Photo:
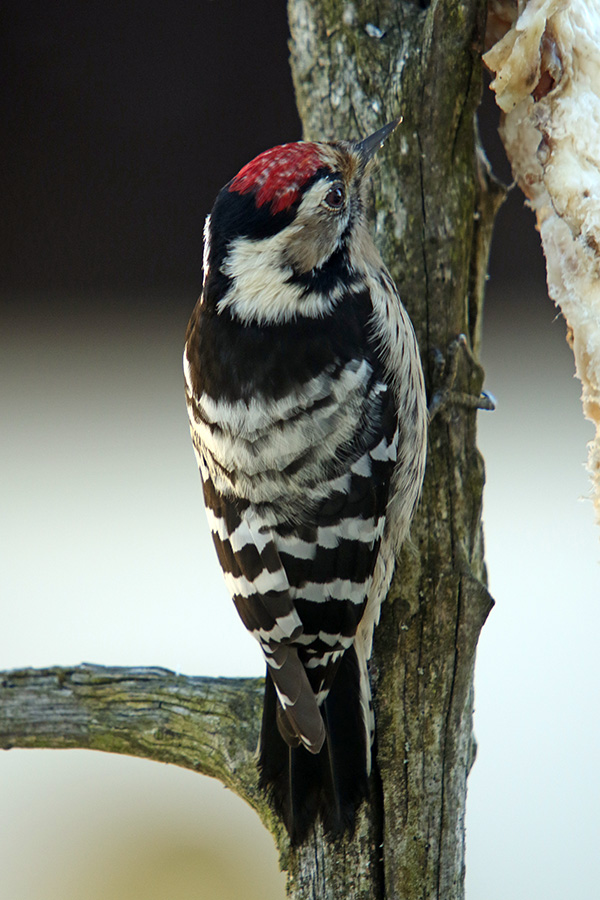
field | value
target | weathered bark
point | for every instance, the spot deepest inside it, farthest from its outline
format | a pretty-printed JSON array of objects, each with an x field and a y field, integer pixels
[
  {"x": 355, "y": 67},
  {"x": 210, "y": 725},
  {"x": 206, "y": 724}
]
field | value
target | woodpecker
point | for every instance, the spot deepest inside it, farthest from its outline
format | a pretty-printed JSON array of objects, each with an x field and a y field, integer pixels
[{"x": 308, "y": 416}]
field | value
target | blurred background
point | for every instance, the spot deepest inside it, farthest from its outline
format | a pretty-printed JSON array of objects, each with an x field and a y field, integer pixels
[{"x": 120, "y": 124}]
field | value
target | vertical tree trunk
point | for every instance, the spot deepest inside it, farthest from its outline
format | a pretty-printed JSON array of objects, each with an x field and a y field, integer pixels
[{"x": 356, "y": 66}]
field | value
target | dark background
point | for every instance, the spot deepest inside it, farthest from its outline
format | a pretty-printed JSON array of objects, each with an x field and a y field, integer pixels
[{"x": 120, "y": 123}]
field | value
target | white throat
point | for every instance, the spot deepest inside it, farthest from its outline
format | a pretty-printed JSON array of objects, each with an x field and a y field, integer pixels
[{"x": 261, "y": 291}]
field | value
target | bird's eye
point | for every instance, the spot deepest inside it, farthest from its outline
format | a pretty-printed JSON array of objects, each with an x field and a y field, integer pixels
[{"x": 334, "y": 198}]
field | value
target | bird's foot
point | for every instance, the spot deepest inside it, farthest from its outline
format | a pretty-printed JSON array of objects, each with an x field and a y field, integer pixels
[{"x": 446, "y": 371}]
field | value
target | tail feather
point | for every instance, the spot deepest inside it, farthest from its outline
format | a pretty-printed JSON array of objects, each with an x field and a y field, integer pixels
[
  {"x": 298, "y": 717},
  {"x": 331, "y": 784},
  {"x": 348, "y": 747}
]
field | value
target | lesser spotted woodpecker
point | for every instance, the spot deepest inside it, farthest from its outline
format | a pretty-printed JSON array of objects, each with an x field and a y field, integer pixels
[{"x": 308, "y": 417}]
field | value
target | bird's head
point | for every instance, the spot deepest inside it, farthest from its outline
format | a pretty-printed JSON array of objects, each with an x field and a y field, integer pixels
[{"x": 278, "y": 242}]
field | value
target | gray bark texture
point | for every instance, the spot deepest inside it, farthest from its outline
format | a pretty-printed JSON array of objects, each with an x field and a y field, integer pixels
[{"x": 355, "y": 67}]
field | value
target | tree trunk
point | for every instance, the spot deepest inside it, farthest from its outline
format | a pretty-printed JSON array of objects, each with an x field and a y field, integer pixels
[{"x": 355, "y": 67}]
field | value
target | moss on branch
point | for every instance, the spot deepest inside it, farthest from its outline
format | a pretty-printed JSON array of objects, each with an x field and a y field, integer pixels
[{"x": 210, "y": 725}]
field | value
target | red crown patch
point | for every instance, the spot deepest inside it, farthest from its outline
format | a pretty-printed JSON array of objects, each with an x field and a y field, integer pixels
[{"x": 277, "y": 175}]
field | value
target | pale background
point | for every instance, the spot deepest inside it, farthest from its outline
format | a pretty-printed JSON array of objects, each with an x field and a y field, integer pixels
[{"x": 121, "y": 133}]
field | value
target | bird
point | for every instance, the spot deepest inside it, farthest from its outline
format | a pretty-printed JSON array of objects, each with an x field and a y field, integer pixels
[{"x": 308, "y": 417}]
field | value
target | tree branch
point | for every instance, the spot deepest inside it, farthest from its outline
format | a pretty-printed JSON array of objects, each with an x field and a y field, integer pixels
[{"x": 210, "y": 725}]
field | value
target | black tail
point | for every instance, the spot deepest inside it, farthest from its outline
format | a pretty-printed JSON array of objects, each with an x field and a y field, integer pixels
[{"x": 330, "y": 784}]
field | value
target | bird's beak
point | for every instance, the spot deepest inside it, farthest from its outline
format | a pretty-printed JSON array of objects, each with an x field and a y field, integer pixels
[{"x": 368, "y": 147}]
